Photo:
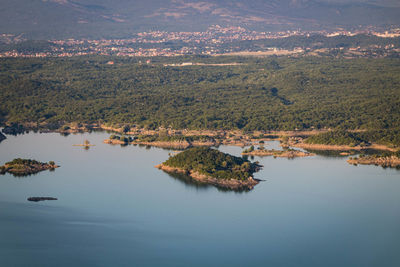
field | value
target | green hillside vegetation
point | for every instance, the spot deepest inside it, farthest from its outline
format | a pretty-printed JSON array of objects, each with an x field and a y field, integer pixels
[
  {"x": 382, "y": 154},
  {"x": 213, "y": 163},
  {"x": 389, "y": 137},
  {"x": 262, "y": 94},
  {"x": 342, "y": 137},
  {"x": 337, "y": 138}
]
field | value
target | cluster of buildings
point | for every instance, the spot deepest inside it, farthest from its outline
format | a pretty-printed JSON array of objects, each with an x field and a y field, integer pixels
[{"x": 215, "y": 40}]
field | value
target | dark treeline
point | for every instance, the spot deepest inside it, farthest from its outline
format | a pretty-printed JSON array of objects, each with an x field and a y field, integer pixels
[{"x": 263, "y": 94}]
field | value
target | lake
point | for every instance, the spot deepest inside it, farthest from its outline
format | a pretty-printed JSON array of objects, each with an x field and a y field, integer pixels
[{"x": 115, "y": 209}]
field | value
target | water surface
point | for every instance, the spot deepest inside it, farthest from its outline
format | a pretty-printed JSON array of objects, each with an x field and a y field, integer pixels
[{"x": 116, "y": 209}]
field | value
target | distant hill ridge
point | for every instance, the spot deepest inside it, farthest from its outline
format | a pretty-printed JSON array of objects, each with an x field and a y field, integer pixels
[{"x": 47, "y": 19}]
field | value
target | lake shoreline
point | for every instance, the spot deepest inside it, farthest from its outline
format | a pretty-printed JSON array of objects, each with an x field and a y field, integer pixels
[
  {"x": 224, "y": 137},
  {"x": 180, "y": 145}
]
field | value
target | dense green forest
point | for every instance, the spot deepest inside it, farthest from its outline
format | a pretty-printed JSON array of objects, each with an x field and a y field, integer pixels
[
  {"x": 213, "y": 163},
  {"x": 337, "y": 138},
  {"x": 275, "y": 93},
  {"x": 389, "y": 137}
]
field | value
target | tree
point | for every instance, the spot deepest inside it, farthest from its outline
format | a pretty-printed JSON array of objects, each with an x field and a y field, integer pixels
[{"x": 126, "y": 128}]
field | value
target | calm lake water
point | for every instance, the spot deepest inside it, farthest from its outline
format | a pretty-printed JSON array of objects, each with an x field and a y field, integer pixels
[{"x": 116, "y": 209}]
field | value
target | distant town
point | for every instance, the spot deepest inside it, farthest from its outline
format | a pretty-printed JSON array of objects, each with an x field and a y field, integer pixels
[{"x": 216, "y": 40}]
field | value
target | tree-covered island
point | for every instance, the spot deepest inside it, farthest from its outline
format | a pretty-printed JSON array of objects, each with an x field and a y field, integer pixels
[
  {"x": 24, "y": 167},
  {"x": 163, "y": 141},
  {"x": 286, "y": 153},
  {"x": 211, "y": 166}
]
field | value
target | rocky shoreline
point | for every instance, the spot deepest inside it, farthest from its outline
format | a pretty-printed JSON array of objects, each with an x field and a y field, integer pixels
[
  {"x": 232, "y": 184},
  {"x": 389, "y": 161}
]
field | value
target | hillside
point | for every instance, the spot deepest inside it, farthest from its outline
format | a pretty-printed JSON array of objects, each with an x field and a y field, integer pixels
[
  {"x": 261, "y": 94},
  {"x": 49, "y": 19}
]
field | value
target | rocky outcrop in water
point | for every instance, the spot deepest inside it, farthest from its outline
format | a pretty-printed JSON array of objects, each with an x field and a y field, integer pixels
[
  {"x": 389, "y": 161},
  {"x": 37, "y": 199},
  {"x": 2, "y": 137}
]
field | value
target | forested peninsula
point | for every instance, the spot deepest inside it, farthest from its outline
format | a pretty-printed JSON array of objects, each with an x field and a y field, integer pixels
[{"x": 358, "y": 99}]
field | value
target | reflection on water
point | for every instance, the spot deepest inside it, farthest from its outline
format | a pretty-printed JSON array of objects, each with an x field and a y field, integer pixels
[
  {"x": 26, "y": 175},
  {"x": 189, "y": 181}
]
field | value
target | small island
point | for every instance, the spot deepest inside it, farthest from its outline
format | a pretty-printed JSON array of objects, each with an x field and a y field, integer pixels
[
  {"x": 24, "y": 167},
  {"x": 286, "y": 153},
  {"x": 391, "y": 160},
  {"x": 163, "y": 141},
  {"x": 37, "y": 199},
  {"x": 86, "y": 144},
  {"x": 213, "y": 167}
]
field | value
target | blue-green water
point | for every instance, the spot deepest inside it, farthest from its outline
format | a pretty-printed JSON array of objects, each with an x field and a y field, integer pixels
[{"x": 116, "y": 209}]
